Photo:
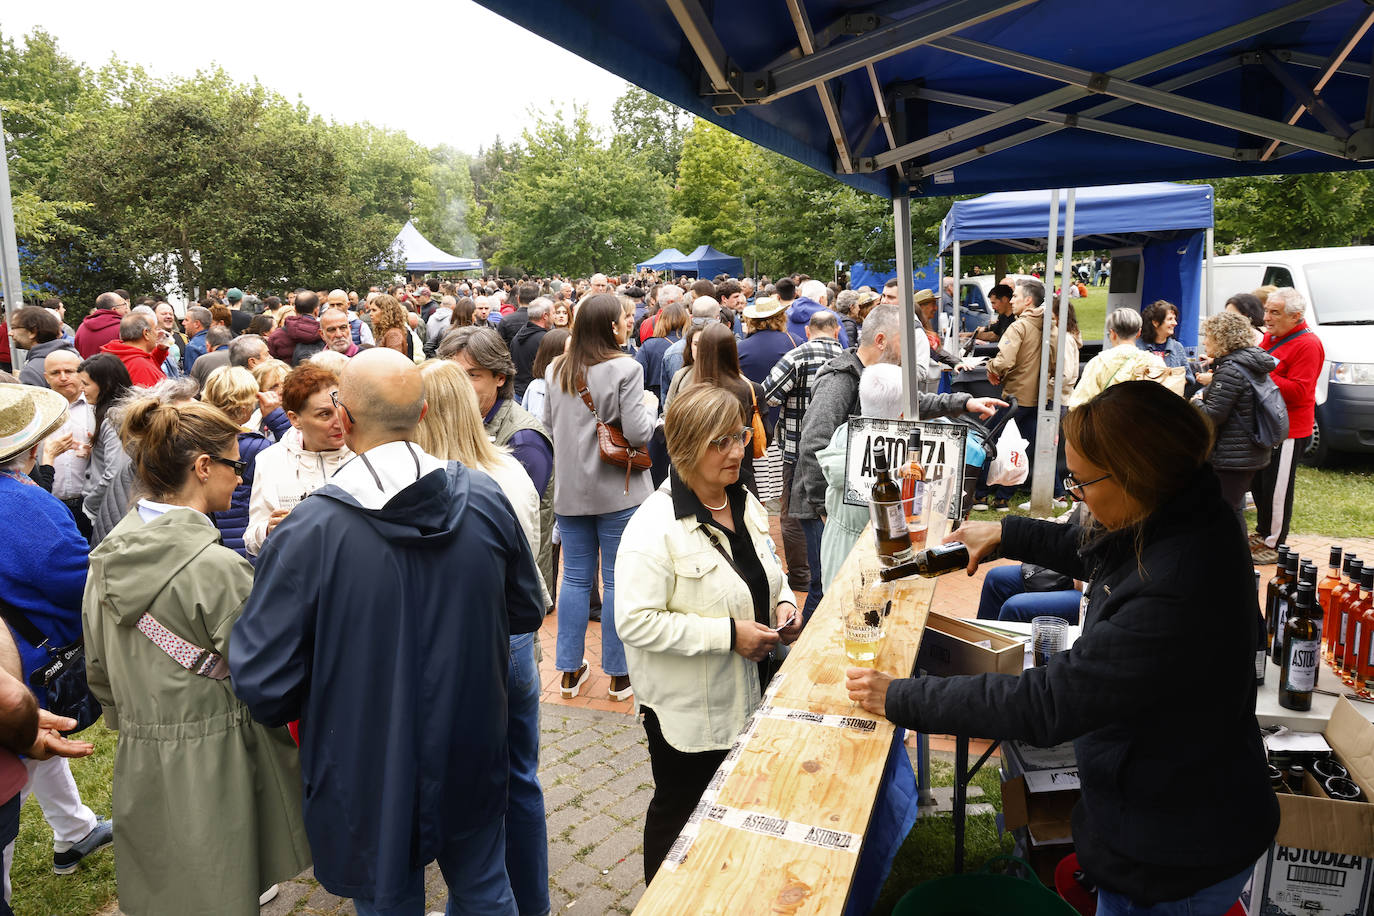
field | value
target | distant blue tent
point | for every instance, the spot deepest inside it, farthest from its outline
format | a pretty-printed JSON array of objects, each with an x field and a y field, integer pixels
[
  {"x": 1169, "y": 221},
  {"x": 422, "y": 255},
  {"x": 705, "y": 261},
  {"x": 661, "y": 261}
]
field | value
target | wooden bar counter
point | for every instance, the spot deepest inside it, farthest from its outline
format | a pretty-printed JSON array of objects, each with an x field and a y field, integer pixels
[{"x": 780, "y": 829}]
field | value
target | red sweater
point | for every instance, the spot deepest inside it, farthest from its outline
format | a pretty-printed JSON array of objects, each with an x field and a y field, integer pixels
[
  {"x": 145, "y": 369},
  {"x": 1301, "y": 359}
]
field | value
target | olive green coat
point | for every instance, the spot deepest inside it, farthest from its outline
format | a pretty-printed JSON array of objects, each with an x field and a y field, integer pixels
[{"x": 207, "y": 802}]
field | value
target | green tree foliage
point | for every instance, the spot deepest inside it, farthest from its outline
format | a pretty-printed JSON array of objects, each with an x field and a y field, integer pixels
[
  {"x": 709, "y": 205},
  {"x": 487, "y": 171},
  {"x": 1293, "y": 211},
  {"x": 446, "y": 209},
  {"x": 573, "y": 204},
  {"x": 651, "y": 129}
]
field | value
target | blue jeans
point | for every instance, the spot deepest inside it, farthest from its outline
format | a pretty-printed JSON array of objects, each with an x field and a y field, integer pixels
[
  {"x": 1005, "y": 597},
  {"x": 813, "y": 528},
  {"x": 475, "y": 871},
  {"x": 581, "y": 536},
  {"x": 527, "y": 838},
  {"x": 1210, "y": 901}
]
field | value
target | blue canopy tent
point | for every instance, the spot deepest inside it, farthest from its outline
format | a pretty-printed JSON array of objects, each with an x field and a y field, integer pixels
[
  {"x": 423, "y": 256},
  {"x": 1171, "y": 222},
  {"x": 877, "y": 275},
  {"x": 705, "y": 261},
  {"x": 661, "y": 261}
]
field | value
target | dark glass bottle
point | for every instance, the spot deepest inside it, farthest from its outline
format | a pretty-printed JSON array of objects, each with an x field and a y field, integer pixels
[
  {"x": 1295, "y": 779},
  {"x": 1274, "y": 602},
  {"x": 1302, "y": 650},
  {"x": 934, "y": 561},
  {"x": 885, "y": 511}
]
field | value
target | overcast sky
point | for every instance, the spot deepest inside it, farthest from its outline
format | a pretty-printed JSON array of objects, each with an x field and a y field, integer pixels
[{"x": 444, "y": 71}]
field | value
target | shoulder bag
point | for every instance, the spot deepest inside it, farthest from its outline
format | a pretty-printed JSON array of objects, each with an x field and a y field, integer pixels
[
  {"x": 612, "y": 445},
  {"x": 61, "y": 683},
  {"x": 756, "y": 421}
]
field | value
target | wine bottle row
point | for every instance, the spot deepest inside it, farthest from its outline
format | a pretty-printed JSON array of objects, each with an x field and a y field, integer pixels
[{"x": 1308, "y": 622}]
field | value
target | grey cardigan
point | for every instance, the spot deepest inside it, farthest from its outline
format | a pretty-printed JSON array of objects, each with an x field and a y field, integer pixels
[{"x": 583, "y": 483}]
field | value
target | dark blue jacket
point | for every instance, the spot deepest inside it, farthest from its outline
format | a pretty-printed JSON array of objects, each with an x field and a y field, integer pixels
[
  {"x": 759, "y": 353},
  {"x": 799, "y": 315},
  {"x": 233, "y": 522},
  {"x": 386, "y": 632},
  {"x": 43, "y": 561},
  {"x": 195, "y": 349}
]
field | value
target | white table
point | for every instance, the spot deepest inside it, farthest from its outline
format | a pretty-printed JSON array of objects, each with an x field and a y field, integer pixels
[{"x": 1269, "y": 712}]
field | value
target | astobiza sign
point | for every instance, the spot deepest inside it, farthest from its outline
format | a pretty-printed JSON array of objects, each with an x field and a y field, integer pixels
[{"x": 936, "y": 448}]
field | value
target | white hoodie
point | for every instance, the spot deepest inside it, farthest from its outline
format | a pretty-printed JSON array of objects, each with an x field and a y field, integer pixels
[{"x": 284, "y": 474}]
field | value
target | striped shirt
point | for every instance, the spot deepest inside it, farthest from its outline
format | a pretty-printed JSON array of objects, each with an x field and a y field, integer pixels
[{"x": 789, "y": 384}]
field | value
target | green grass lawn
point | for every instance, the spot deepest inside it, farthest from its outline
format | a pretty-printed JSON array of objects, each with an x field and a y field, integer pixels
[{"x": 37, "y": 891}]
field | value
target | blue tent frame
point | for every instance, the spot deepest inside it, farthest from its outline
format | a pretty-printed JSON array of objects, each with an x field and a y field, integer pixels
[{"x": 1171, "y": 222}]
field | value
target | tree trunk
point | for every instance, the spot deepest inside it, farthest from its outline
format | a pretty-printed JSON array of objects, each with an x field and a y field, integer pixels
[{"x": 999, "y": 266}]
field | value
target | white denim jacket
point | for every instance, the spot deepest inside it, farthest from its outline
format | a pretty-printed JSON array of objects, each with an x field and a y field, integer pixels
[{"x": 674, "y": 597}]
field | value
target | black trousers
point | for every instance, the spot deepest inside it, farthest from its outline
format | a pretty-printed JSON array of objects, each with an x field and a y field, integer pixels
[
  {"x": 679, "y": 780},
  {"x": 793, "y": 537},
  {"x": 1273, "y": 489},
  {"x": 83, "y": 524}
]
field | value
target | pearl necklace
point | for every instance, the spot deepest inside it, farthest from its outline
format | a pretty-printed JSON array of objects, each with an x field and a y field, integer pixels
[{"x": 716, "y": 508}]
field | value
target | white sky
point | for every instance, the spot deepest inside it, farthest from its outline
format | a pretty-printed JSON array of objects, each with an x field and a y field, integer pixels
[{"x": 444, "y": 71}]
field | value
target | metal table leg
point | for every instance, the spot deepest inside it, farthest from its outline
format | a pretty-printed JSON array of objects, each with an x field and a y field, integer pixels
[{"x": 963, "y": 774}]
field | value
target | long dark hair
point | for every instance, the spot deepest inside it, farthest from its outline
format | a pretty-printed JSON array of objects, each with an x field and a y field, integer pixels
[
  {"x": 110, "y": 375},
  {"x": 463, "y": 311},
  {"x": 1249, "y": 305},
  {"x": 717, "y": 363},
  {"x": 550, "y": 348},
  {"x": 593, "y": 340}
]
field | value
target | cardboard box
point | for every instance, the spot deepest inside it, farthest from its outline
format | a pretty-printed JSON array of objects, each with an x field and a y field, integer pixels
[
  {"x": 951, "y": 646},
  {"x": 1322, "y": 860},
  {"x": 1039, "y": 790}
]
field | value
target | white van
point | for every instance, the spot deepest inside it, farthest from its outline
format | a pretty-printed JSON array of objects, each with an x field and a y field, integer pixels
[{"x": 1339, "y": 286}]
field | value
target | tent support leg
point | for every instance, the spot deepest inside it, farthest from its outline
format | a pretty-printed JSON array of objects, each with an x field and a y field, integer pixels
[
  {"x": 13, "y": 289},
  {"x": 1207, "y": 279},
  {"x": 953, "y": 342},
  {"x": 1042, "y": 465},
  {"x": 1066, "y": 277},
  {"x": 901, "y": 226}
]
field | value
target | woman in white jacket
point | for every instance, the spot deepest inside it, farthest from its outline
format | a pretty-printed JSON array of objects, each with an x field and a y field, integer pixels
[
  {"x": 701, "y": 603},
  {"x": 302, "y": 462}
]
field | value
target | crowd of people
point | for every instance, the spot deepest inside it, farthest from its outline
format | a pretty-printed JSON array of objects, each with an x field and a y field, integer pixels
[{"x": 262, "y": 514}]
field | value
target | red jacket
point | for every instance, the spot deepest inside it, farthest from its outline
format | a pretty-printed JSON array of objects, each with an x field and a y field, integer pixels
[
  {"x": 145, "y": 369},
  {"x": 1301, "y": 358},
  {"x": 99, "y": 328}
]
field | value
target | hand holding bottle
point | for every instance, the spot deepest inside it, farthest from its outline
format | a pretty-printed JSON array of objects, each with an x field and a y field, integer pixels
[{"x": 981, "y": 538}]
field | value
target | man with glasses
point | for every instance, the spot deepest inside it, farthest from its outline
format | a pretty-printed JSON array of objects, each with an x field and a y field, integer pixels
[{"x": 408, "y": 764}]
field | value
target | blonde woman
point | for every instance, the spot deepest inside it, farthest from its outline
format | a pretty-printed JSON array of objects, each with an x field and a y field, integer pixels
[
  {"x": 270, "y": 419},
  {"x": 452, "y": 430},
  {"x": 234, "y": 391}
]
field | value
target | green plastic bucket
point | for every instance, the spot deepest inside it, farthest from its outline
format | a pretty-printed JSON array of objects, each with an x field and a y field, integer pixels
[{"x": 983, "y": 893}]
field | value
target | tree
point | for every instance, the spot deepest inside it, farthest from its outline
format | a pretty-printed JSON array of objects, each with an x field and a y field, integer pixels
[
  {"x": 446, "y": 208},
  {"x": 488, "y": 171},
  {"x": 1293, "y": 211},
  {"x": 650, "y": 128},
  {"x": 573, "y": 205},
  {"x": 709, "y": 206}
]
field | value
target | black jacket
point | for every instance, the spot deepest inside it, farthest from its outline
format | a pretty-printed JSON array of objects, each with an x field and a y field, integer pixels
[
  {"x": 512, "y": 323},
  {"x": 1230, "y": 404},
  {"x": 524, "y": 347},
  {"x": 1158, "y": 693}
]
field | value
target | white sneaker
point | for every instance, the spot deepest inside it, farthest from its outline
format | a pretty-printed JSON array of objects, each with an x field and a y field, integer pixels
[
  {"x": 1054, "y": 504},
  {"x": 572, "y": 681},
  {"x": 980, "y": 505},
  {"x": 269, "y": 895}
]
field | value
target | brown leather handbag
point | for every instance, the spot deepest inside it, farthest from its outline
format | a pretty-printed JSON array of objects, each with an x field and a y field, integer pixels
[{"x": 611, "y": 443}]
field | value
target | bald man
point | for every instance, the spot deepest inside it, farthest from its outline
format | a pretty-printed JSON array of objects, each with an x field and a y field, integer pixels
[{"x": 396, "y": 659}]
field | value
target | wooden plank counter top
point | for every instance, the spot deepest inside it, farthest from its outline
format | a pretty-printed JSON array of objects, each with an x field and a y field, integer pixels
[{"x": 780, "y": 829}]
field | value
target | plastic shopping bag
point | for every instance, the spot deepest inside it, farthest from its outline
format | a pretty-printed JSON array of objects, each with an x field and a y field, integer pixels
[{"x": 1011, "y": 465}]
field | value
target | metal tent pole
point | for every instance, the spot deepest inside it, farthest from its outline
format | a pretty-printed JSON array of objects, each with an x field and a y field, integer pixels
[
  {"x": 1042, "y": 465},
  {"x": 954, "y": 331},
  {"x": 1207, "y": 280},
  {"x": 1066, "y": 279},
  {"x": 901, "y": 225},
  {"x": 9, "y": 252}
]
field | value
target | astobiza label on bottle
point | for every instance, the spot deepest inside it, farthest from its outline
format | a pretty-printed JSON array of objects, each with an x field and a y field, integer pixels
[
  {"x": 889, "y": 518},
  {"x": 1302, "y": 665},
  {"x": 1261, "y": 659}
]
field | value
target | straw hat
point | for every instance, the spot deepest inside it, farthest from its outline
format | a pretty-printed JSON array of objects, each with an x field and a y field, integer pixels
[
  {"x": 923, "y": 296},
  {"x": 27, "y": 414},
  {"x": 763, "y": 307}
]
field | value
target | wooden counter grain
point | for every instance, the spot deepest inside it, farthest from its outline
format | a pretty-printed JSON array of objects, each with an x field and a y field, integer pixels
[{"x": 818, "y": 775}]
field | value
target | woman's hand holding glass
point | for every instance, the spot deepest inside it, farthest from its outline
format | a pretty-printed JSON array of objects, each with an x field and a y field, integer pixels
[{"x": 868, "y": 688}]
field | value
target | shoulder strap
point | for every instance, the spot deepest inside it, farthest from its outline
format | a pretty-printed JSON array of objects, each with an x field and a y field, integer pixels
[
  {"x": 1294, "y": 336},
  {"x": 715, "y": 542},
  {"x": 186, "y": 654},
  {"x": 22, "y": 625},
  {"x": 587, "y": 398}
]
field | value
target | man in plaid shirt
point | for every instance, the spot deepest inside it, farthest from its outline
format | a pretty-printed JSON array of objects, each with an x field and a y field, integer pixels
[{"x": 789, "y": 384}]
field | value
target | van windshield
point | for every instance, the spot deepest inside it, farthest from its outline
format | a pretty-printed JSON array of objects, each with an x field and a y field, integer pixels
[{"x": 1342, "y": 291}]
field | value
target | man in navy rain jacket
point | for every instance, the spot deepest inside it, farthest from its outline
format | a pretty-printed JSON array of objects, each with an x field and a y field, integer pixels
[{"x": 380, "y": 617}]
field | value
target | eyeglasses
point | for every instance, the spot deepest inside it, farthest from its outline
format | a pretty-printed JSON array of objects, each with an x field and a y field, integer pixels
[
  {"x": 334, "y": 397},
  {"x": 238, "y": 465},
  {"x": 1076, "y": 489},
  {"x": 726, "y": 442}
]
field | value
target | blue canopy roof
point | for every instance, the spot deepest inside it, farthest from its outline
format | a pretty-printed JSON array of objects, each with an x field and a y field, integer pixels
[
  {"x": 422, "y": 255},
  {"x": 1009, "y": 222},
  {"x": 967, "y": 96},
  {"x": 662, "y": 260},
  {"x": 707, "y": 262}
]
